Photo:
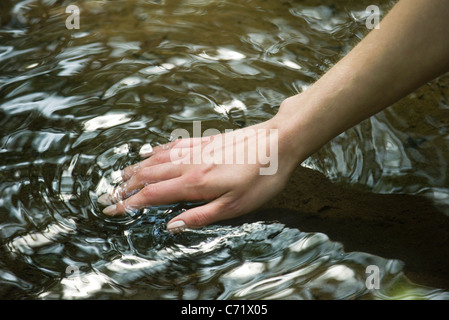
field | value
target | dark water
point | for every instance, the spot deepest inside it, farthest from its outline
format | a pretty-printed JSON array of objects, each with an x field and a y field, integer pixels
[{"x": 75, "y": 105}]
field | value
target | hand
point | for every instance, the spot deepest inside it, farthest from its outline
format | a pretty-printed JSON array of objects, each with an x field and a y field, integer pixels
[
  {"x": 233, "y": 172},
  {"x": 411, "y": 48}
]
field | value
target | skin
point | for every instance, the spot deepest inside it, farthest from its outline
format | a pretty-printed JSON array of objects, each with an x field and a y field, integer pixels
[{"x": 410, "y": 48}]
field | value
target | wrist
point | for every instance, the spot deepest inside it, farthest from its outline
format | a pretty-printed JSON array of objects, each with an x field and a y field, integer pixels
[{"x": 292, "y": 128}]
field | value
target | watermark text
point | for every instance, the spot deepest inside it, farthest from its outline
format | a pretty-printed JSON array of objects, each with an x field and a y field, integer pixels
[
  {"x": 73, "y": 20},
  {"x": 244, "y": 146},
  {"x": 373, "y": 280},
  {"x": 373, "y": 20}
]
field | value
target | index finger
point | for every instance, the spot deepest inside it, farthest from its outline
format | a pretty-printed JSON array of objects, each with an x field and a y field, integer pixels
[
  {"x": 160, "y": 193},
  {"x": 159, "y": 155}
]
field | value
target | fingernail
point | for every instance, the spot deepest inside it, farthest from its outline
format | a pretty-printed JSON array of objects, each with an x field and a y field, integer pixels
[
  {"x": 105, "y": 199},
  {"x": 176, "y": 226},
  {"x": 110, "y": 210}
]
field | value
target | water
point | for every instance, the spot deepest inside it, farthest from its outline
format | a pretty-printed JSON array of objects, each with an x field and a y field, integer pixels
[{"x": 76, "y": 105}]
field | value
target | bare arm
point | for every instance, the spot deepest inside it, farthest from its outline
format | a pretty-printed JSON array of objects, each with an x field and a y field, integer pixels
[{"x": 410, "y": 48}]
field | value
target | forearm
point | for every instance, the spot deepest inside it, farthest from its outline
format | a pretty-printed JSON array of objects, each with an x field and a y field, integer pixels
[{"x": 410, "y": 48}]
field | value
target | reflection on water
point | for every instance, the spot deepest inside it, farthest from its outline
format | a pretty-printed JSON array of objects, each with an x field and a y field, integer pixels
[{"x": 76, "y": 105}]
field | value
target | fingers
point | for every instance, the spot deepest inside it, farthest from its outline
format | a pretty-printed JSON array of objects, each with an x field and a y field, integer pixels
[
  {"x": 199, "y": 216},
  {"x": 143, "y": 177},
  {"x": 159, "y": 181},
  {"x": 160, "y": 193},
  {"x": 181, "y": 143},
  {"x": 158, "y": 158},
  {"x": 156, "y": 168},
  {"x": 160, "y": 154}
]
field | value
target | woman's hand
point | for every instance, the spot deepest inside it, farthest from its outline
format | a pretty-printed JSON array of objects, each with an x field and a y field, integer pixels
[
  {"x": 233, "y": 172},
  {"x": 409, "y": 49}
]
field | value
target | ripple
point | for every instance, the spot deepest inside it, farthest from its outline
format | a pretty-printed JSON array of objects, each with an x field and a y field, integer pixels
[{"x": 285, "y": 263}]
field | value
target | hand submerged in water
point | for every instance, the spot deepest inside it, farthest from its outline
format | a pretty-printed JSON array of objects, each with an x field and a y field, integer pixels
[
  {"x": 233, "y": 172},
  {"x": 411, "y": 48}
]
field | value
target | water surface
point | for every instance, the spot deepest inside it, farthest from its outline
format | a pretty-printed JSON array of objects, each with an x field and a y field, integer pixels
[{"x": 75, "y": 105}]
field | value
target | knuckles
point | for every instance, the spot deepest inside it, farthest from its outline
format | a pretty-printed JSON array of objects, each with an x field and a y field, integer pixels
[{"x": 199, "y": 178}]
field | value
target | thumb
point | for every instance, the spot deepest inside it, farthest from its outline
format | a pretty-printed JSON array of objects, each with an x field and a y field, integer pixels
[{"x": 197, "y": 217}]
